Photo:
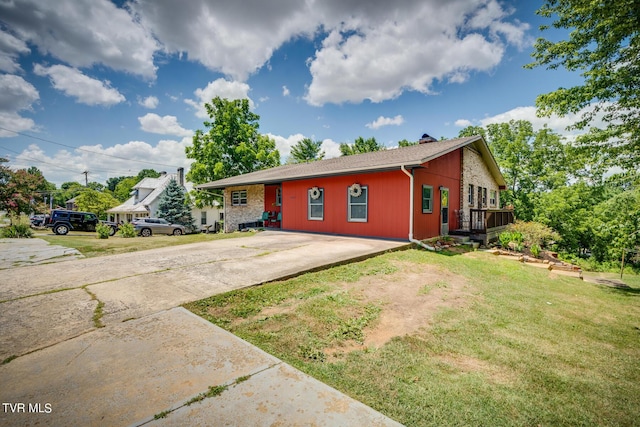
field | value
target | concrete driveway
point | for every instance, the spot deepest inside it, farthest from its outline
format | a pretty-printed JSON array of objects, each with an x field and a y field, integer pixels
[{"x": 151, "y": 358}]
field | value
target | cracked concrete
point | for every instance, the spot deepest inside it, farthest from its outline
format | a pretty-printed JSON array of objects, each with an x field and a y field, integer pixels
[{"x": 152, "y": 357}]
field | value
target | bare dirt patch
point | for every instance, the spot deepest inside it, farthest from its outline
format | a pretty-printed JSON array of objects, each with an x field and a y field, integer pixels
[{"x": 410, "y": 300}]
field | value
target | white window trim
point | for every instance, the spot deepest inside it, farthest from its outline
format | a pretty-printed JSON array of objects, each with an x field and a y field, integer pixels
[
  {"x": 493, "y": 197},
  {"x": 430, "y": 210},
  {"x": 309, "y": 200},
  {"x": 365, "y": 190}
]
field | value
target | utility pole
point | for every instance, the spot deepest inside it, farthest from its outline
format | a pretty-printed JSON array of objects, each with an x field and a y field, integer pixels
[{"x": 86, "y": 178}]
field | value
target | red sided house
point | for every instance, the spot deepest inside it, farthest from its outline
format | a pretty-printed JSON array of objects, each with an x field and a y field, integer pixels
[{"x": 416, "y": 192}]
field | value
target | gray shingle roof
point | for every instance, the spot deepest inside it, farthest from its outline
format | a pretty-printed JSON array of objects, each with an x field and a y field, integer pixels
[{"x": 412, "y": 156}]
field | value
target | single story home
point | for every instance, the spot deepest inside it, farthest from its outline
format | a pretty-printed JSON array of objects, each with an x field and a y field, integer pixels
[
  {"x": 145, "y": 198},
  {"x": 420, "y": 191}
]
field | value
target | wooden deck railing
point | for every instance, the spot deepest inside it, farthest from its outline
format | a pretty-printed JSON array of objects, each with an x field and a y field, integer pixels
[{"x": 482, "y": 220}]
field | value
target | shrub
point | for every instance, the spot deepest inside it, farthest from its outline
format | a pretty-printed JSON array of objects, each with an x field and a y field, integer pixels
[
  {"x": 510, "y": 239},
  {"x": 16, "y": 231},
  {"x": 127, "y": 230},
  {"x": 535, "y": 250},
  {"x": 103, "y": 231},
  {"x": 534, "y": 233}
]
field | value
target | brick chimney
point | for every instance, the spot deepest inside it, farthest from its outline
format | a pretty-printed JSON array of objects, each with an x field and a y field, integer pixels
[
  {"x": 426, "y": 139},
  {"x": 181, "y": 177}
]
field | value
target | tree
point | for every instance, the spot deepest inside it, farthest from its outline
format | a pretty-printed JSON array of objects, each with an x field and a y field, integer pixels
[
  {"x": 405, "y": 143},
  {"x": 305, "y": 151},
  {"x": 173, "y": 205},
  {"x": 231, "y": 146},
  {"x": 604, "y": 45},
  {"x": 113, "y": 181},
  {"x": 616, "y": 225},
  {"x": 90, "y": 200},
  {"x": 19, "y": 190},
  {"x": 147, "y": 173},
  {"x": 124, "y": 187},
  {"x": 360, "y": 146}
]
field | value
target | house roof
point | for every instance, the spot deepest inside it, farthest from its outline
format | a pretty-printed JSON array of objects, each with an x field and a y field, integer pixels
[
  {"x": 156, "y": 184},
  {"x": 409, "y": 157}
]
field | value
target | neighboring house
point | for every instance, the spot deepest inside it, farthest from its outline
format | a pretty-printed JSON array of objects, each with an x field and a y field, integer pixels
[
  {"x": 71, "y": 205},
  {"x": 145, "y": 197},
  {"x": 418, "y": 192}
]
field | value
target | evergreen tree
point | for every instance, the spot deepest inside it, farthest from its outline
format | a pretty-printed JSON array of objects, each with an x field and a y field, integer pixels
[
  {"x": 173, "y": 205},
  {"x": 306, "y": 151}
]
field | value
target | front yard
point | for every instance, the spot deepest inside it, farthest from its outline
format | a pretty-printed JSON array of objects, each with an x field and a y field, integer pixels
[{"x": 431, "y": 339}]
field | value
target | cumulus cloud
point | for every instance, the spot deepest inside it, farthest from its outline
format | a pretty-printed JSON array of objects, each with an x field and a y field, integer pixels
[
  {"x": 16, "y": 95},
  {"x": 83, "y": 33},
  {"x": 103, "y": 163},
  {"x": 150, "y": 102},
  {"x": 377, "y": 56},
  {"x": 222, "y": 88},
  {"x": 10, "y": 49},
  {"x": 72, "y": 82},
  {"x": 528, "y": 113},
  {"x": 167, "y": 125},
  {"x": 283, "y": 144},
  {"x": 385, "y": 121},
  {"x": 234, "y": 38},
  {"x": 285, "y": 91}
]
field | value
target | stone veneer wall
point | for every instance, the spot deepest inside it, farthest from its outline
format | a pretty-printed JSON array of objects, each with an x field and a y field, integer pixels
[
  {"x": 252, "y": 211},
  {"x": 476, "y": 172}
]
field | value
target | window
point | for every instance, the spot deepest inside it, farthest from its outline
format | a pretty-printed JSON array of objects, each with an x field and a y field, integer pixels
[
  {"x": 279, "y": 196},
  {"x": 471, "y": 194},
  {"x": 479, "y": 197},
  {"x": 221, "y": 216},
  {"x": 357, "y": 205},
  {"x": 203, "y": 218},
  {"x": 315, "y": 196},
  {"x": 239, "y": 198},
  {"x": 493, "y": 199},
  {"x": 427, "y": 199},
  {"x": 484, "y": 197}
]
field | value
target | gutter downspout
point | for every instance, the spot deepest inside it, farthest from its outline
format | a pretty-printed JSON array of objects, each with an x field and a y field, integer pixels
[{"x": 411, "y": 239}]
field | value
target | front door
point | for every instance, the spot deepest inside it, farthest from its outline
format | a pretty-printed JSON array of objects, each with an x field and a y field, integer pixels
[{"x": 444, "y": 211}]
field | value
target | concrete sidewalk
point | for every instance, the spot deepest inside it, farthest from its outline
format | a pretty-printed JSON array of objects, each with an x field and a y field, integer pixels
[{"x": 151, "y": 358}]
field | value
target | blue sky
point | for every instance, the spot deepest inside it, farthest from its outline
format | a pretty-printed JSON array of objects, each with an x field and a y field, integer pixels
[{"x": 115, "y": 87}]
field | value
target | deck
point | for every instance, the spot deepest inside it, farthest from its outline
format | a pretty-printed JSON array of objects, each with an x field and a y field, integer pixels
[{"x": 484, "y": 225}]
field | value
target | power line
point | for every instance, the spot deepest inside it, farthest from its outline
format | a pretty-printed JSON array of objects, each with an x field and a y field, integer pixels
[{"x": 87, "y": 151}]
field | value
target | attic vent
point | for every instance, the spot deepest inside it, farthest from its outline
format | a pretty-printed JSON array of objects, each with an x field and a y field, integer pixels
[{"x": 426, "y": 139}]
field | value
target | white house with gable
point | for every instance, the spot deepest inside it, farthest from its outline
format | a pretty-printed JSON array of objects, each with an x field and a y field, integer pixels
[{"x": 145, "y": 197}]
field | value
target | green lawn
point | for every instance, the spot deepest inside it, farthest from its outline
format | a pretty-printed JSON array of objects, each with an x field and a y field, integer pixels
[
  {"x": 90, "y": 246},
  {"x": 501, "y": 343}
]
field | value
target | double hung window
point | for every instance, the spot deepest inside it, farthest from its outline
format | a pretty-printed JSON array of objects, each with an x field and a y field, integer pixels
[
  {"x": 315, "y": 198},
  {"x": 357, "y": 206}
]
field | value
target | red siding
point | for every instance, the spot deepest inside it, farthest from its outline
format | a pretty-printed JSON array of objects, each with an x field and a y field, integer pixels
[
  {"x": 443, "y": 171},
  {"x": 388, "y": 205},
  {"x": 270, "y": 198}
]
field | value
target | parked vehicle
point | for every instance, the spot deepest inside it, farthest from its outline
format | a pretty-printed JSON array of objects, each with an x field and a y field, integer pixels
[
  {"x": 38, "y": 220},
  {"x": 145, "y": 227},
  {"x": 61, "y": 221}
]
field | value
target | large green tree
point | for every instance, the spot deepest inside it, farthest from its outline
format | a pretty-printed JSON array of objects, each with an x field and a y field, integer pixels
[
  {"x": 231, "y": 144},
  {"x": 98, "y": 202},
  {"x": 173, "y": 205},
  {"x": 305, "y": 151},
  {"x": 360, "y": 146},
  {"x": 603, "y": 44}
]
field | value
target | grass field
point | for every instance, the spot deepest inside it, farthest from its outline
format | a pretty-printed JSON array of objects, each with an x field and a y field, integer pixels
[
  {"x": 430, "y": 339},
  {"x": 90, "y": 246}
]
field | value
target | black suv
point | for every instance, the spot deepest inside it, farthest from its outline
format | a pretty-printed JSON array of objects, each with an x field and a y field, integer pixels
[{"x": 61, "y": 221}]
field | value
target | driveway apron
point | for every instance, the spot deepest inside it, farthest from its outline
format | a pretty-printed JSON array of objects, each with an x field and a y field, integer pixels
[{"x": 151, "y": 358}]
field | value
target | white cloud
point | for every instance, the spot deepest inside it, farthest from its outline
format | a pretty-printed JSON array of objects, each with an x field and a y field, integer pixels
[
  {"x": 83, "y": 33},
  {"x": 463, "y": 123},
  {"x": 331, "y": 148},
  {"x": 16, "y": 95},
  {"x": 557, "y": 124},
  {"x": 285, "y": 91},
  {"x": 284, "y": 144},
  {"x": 166, "y": 125},
  {"x": 385, "y": 121},
  {"x": 74, "y": 83},
  {"x": 377, "y": 55},
  {"x": 150, "y": 102},
  {"x": 222, "y": 88},
  {"x": 235, "y": 38},
  {"x": 10, "y": 49},
  {"x": 103, "y": 163}
]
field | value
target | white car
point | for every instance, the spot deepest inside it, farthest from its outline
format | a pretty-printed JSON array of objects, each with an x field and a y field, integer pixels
[{"x": 146, "y": 227}]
